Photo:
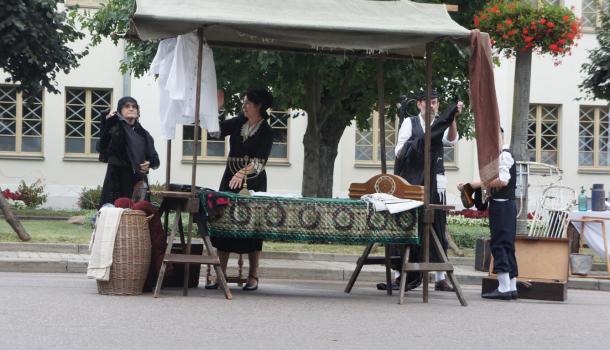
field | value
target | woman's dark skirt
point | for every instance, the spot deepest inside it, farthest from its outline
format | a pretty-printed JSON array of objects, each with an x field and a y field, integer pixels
[{"x": 240, "y": 245}]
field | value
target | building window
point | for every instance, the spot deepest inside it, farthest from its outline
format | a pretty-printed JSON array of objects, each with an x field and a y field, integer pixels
[
  {"x": 85, "y": 109},
  {"x": 368, "y": 150},
  {"x": 368, "y": 147},
  {"x": 554, "y": 2},
  {"x": 212, "y": 149},
  {"x": 592, "y": 13},
  {"x": 20, "y": 123},
  {"x": 449, "y": 155},
  {"x": 543, "y": 134},
  {"x": 594, "y": 137}
]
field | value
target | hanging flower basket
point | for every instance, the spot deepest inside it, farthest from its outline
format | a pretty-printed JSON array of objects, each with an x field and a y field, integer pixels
[{"x": 515, "y": 26}]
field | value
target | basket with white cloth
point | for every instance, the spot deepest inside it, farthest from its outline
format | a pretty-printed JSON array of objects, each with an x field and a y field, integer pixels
[{"x": 130, "y": 256}]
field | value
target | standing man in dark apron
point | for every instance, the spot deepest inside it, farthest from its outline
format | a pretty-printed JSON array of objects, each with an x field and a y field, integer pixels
[{"x": 410, "y": 165}]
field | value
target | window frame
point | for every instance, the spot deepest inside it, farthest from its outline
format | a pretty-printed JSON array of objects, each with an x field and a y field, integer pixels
[
  {"x": 452, "y": 165},
  {"x": 375, "y": 144},
  {"x": 203, "y": 158},
  {"x": 598, "y": 14},
  {"x": 538, "y": 134},
  {"x": 19, "y": 119},
  {"x": 596, "y": 136},
  {"x": 89, "y": 154}
]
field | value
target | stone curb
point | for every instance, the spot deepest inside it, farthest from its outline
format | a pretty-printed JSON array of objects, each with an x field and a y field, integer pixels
[{"x": 70, "y": 248}]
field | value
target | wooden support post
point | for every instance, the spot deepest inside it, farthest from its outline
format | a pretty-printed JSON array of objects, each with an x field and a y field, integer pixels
[
  {"x": 427, "y": 167},
  {"x": 381, "y": 105}
]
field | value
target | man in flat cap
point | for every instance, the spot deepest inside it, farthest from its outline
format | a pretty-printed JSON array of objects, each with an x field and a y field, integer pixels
[{"x": 410, "y": 154}]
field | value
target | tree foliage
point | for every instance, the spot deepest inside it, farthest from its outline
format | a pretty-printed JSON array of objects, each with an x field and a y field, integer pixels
[
  {"x": 34, "y": 38},
  {"x": 597, "y": 70}
]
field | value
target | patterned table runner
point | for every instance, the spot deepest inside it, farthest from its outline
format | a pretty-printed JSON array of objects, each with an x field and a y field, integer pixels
[{"x": 313, "y": 220}]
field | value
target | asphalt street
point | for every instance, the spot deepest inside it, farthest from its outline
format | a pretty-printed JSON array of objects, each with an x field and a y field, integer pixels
[{"x": 64, "y": 311}]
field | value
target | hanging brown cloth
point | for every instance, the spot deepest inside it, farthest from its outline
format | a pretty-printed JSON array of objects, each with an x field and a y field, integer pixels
[{"x": 484, "y": 105}]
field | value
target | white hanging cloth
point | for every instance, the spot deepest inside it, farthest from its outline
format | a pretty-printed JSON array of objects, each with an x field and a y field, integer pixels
[{"x": 176, "y": 65}]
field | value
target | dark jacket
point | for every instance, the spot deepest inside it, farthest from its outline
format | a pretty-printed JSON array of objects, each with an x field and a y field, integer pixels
[{"x": 112, "y": 146}]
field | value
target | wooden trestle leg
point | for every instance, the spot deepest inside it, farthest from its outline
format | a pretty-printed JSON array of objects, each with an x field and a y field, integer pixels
[
  {"x": 359, "y": 264},
  {"x": 208, "y": 257}
]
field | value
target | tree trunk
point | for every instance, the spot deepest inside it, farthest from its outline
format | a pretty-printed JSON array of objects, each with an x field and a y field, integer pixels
[
  {"x": 321, "y": 141},
  {"x": 311, "y": 139},
  {"x": 12, "y": 220},
  {"x": 521, "y": 106}
]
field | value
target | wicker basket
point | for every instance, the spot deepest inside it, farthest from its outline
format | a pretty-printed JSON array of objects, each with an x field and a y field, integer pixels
[{"x": 131, "y": 256}]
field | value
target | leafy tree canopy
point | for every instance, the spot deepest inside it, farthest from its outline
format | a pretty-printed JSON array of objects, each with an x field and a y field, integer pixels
[
  {"x": 34, "y": 38},
  {"x": 597, "y": 71}
]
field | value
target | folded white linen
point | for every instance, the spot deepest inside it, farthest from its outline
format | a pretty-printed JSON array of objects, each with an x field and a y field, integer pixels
[{"x": 102, "y": 246}]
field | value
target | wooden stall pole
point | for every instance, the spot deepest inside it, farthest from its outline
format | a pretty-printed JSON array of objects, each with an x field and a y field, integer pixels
[
  {"x": 194, "y": 196},
  {"x": 427, "y": 162},
  {"x": 381, "y": 105}
]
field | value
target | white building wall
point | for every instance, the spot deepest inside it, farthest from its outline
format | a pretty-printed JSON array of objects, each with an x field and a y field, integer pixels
[{"x": 100, "y": 69}]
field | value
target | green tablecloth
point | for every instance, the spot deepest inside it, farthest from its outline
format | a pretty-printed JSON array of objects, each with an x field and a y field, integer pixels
[{"x": 313, "y": 220}]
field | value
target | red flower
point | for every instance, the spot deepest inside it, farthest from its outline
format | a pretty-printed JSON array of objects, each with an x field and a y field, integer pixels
[
  {"x": 494, "y": 9},
  {"x": 570, "y": 36},
  {"x": 566, "y": 18},
  {"x": 542, "y": 21},
  {"x": 500, "y": 26},
  {"x": 528, "y": 39},
  {"x": 484, "y": 16},
  {"x": 553, "y": 47},
  {"x": 561, "y": 41},
  {"x": 508, "y": 22},
  {"x": 476, "y": 21},
  {"x": 525, "y": 31},
  {"x": 512, "y": 32},
  {"x": 550, "y": 24}
]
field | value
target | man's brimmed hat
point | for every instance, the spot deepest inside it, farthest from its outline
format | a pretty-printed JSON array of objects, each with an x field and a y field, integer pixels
[{"x": 422, "y": 95}]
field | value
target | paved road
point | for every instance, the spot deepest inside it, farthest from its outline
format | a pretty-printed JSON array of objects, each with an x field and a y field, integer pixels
[{"x": 64, "y": 311}]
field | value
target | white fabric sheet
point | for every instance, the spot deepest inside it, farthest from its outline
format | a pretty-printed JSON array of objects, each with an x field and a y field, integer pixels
[
  {"x": 593, "y": 231},
  {"x": 384, "y": 201},
  {"x": 176, "y": 66},
  {"x": 102, "y": 247}
]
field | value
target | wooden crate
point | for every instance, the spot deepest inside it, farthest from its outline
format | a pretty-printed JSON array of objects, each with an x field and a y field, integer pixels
[{"x": 543, "y": 263}]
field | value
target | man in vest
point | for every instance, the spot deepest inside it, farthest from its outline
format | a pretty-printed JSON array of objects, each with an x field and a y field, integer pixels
[{"x": 410, "y": 165}]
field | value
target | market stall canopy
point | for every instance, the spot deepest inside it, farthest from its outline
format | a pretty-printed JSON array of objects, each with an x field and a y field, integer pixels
[{"x": 392, "y": 27}]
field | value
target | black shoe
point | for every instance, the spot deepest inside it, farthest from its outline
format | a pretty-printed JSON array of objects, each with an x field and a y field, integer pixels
[
  {"x": 212, "y": 286},
  {"x": 443, "y": 286},
  {"x": 250, "y": 288},
  {"x": 514, "y": 295},
  {"x": 496, "y": 294},
  {"x": 395, "y": 285}
]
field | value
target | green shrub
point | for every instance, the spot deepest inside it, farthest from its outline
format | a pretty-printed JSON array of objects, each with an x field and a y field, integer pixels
[
  {"x": 155, "y": 199},
  {"x": 33, "y": 195},
  {"x": 465, "y": 236},
  {"x": 89, "y": 198}
]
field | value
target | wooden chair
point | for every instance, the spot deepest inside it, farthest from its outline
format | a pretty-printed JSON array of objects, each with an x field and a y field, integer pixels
[{"x": 398, "y": 187}]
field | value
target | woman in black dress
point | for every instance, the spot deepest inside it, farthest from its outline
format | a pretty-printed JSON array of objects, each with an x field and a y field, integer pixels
[{"x": 251, "y": 138}]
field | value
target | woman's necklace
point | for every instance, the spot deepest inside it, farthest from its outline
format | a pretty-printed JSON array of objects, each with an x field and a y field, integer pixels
[{"x": 248, "y": 130}]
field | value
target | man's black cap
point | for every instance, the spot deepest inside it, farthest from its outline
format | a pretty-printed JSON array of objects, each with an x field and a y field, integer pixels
[{"x": 422, "y": 95}]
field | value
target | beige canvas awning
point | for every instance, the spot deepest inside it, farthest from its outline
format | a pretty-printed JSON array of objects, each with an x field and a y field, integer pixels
[{"x": 395, "y": 28}]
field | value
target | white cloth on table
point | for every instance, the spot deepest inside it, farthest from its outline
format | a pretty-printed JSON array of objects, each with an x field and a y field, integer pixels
[
  {"x": 384, "y": 201},
  {"x": 176, "y": 65},
  {"x": 593, "y": 231},
  {"x": 102, "y": 243}
]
